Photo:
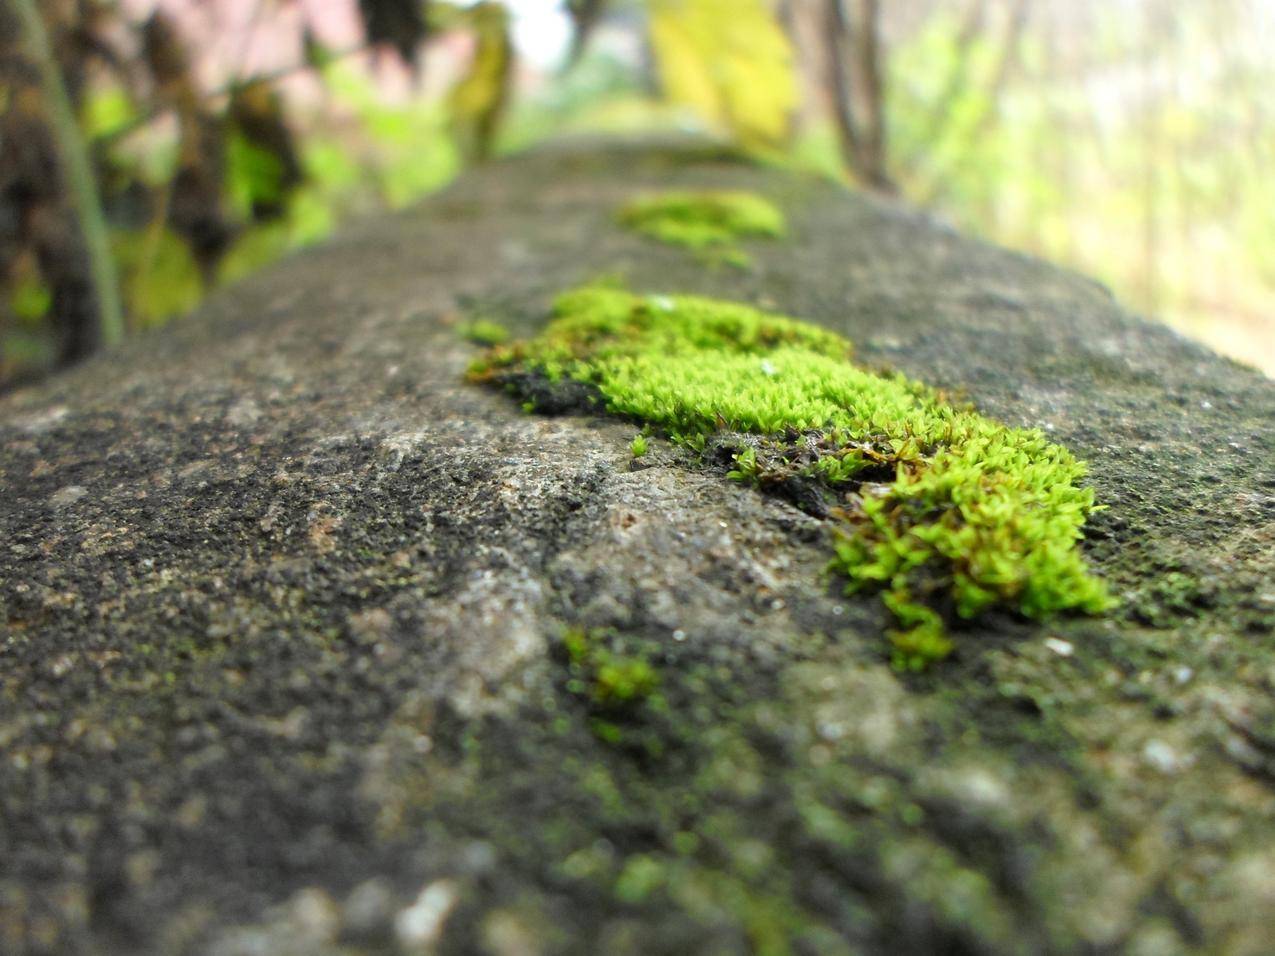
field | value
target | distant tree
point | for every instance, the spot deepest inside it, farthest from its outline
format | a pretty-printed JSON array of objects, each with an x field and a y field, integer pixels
[{"x": 852, "y": 31}]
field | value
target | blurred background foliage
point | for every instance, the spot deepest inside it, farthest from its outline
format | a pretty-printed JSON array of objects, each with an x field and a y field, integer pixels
[{"x": 1132, "y": 139}]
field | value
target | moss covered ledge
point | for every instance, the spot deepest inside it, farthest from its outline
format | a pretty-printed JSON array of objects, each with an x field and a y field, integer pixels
[
  {"x": 942, "y": 510},
  {"x": 710, "y": 223}
]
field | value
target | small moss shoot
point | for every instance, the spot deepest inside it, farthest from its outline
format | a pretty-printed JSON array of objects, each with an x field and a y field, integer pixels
[
  {"x": 944, "y": 512},
  {"x": 483, "y": 332},
  {"x": 639, "y": 446},
  {"x": 618, "y": 684},
  {"x": 709, "y": 223}
]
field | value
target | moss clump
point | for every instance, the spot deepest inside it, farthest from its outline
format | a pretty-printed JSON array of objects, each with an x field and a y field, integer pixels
[
  {"x": 945, "y": 512},
  {"x": 483, "y": 332},
  {"x": 709, "y": 222},
  {"x": 618, "y": 684}
]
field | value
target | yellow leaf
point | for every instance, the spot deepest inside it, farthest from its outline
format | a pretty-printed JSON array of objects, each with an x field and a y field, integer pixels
[{"x": 730, "y": 61}]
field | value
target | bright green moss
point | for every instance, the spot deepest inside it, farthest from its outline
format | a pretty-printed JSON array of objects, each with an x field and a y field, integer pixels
[
  {"x": 946, "y": 513},
  {"x": 483, "y": 332},
  {"x": 705, "y": 222},
  {"x": 639, "y": 446}
]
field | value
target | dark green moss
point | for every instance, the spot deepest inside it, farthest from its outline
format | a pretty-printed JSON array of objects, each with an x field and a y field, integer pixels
[{"x": 749, "y": 831}]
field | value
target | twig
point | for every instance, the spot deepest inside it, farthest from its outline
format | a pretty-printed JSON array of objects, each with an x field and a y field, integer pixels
[
  {"x": 227, "y": 89},
  {"x": 78, "y": 175}
]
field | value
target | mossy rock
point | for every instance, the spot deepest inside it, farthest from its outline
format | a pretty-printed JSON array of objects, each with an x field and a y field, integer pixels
[
  {"x": 307, "y": 645},
  {"x": 709, "y": 222},
  {"x": 940, "y": 508}
]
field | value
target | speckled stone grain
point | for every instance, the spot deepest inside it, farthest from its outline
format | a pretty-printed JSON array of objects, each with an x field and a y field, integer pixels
[{"x": 282, "y": 597}]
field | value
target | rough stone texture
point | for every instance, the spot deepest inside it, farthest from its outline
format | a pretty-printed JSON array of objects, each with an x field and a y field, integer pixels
[{"x": 281, "y": 601}]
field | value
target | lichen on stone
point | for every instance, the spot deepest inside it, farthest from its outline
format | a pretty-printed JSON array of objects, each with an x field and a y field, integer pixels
[
  {"x": 709, "y": 222},
  {"x": 943, "y": 511}
]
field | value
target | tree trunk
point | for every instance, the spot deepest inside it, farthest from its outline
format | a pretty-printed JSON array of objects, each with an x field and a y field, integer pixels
[{"x": 854, "y": 60}]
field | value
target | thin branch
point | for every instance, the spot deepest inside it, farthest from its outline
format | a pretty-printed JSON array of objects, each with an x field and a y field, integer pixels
[
  {"x": 77, "y": 172},
  {"x": 958, "y": 76},
  {"x": 282, "y": 73},
  {"x": 1009, "y": 55},
  {"x": 836, "y": 30},
  {"x": 585, "y": 15},
  {"x": 872, "y": 88},
  {"x": 1007, "y": 59}
]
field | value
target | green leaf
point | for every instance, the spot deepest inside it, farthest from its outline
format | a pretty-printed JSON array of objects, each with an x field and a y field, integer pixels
[
  {"x": 106, "y": 110},
  {"x": 254, "y": 175},
  {"x": 30, "y": 299},
  {"x": 159, "y": 276}
]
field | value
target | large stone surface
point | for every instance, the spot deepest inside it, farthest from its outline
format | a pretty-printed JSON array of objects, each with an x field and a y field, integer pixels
[{"x": 281, "y": 601}]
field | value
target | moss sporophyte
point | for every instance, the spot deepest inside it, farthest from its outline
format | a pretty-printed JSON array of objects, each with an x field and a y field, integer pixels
[
  {"x": 941, "y": 510},
  {"x": 709, "y": 222}
]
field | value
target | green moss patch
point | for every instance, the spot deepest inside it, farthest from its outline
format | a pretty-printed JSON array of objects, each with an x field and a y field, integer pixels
[
  {"x": 483, "y": 332},
  {"x": 618, "y": 685},
  {"x": 941, "y": 510},
  {"x": 708, "y": 222}
]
